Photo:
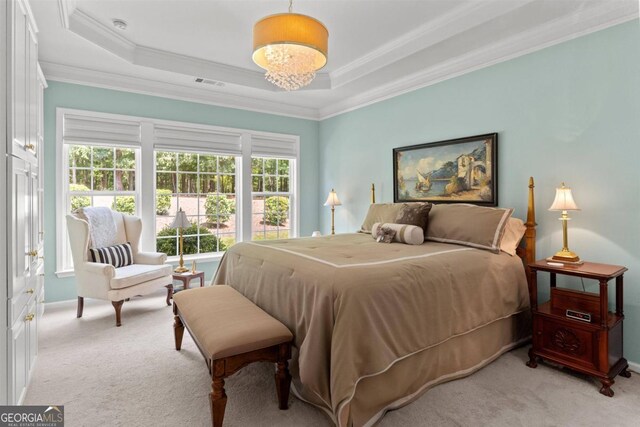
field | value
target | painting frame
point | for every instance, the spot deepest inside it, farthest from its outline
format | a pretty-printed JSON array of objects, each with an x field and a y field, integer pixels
[{"x": 475, "y": 183}]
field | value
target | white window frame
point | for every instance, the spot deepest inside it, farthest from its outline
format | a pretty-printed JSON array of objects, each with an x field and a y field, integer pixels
[
  {"x": 238, "y": 167},
  {"x": 239, "y": 142},
  {"x": 291, "y": 194}
]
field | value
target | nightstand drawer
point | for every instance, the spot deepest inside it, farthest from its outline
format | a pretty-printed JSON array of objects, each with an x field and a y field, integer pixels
[{"x": 564, "y": 341}]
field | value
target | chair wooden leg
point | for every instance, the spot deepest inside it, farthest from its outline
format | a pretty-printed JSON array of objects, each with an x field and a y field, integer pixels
[
  {"x": 80, "y": 307},
  {"x": 218, "y": 402},
  {"x": 169, "y": 293},
  {"x": 118, "y": 306},
  {"x": 178, "y": 331},
  {"x": 283, "y": 377}
]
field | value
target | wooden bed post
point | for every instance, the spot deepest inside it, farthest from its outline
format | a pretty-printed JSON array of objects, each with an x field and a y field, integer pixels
[
  {"x": 530, "y": 245},
  {"x": 530, "y": 233}
]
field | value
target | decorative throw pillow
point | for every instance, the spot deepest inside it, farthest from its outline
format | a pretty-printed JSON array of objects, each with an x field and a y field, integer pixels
[
  {"x": 513, "y": 234},
  {"x": 405, "y": 233},
  {"x": 414, "y": 214},
  {"x": 470, "y": 225},
  {"x": 384, "y": 234},
  {"x": 118, "y": 255},
  {"x": 380, "y": 212}
]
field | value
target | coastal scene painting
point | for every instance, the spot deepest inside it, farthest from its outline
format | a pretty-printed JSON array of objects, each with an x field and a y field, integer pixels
[{"x": 459, "y": 170}]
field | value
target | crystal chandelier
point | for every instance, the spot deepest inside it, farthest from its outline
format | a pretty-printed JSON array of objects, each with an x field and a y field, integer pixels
[{"x": 290, "y": 47}]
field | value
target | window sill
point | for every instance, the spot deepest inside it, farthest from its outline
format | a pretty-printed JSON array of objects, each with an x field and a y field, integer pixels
[
  {"x": 200, "y": 258},
  {"x": 65, "y": 273},
  {"x": 173, "y": 260}
]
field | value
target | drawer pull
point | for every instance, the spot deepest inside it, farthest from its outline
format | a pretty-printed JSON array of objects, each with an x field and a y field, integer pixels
[
  {"x": 41, "y": 274},
  {"x": 41, "y": 257},
  {"x": 30, "y": 147},
  {"x": 30, "y": 291},
  {"x": 32, "y": 253},
  {"x": 29, "y": 317}
]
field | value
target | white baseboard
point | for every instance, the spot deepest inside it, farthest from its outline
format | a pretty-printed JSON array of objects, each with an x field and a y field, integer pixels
[{"x": 635, "y": 367}]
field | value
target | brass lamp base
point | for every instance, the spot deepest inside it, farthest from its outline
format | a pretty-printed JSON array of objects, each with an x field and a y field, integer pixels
[
  {"x": 566, "y": 256},
  {"x": 181, "y": 269}
]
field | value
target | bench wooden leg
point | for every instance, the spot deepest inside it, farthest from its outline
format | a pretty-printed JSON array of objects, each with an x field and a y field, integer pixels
[
  {"x": 218, "y": 401},
  {"x": 178, "y": 331},
  {"x": 80, "y": 306},
  {"x": 118, "y": 306},
  {"x": 283, "y": 377}
]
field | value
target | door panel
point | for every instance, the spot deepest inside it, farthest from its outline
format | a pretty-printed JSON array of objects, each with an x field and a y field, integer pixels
[
  {"x": 18, "y": 355},
  {"x": 31, "y": 323},
  {"x": 20, "y": 101},
  {"x": 21, "y": 234}
]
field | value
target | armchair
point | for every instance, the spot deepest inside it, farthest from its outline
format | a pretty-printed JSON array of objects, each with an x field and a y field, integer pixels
[{"x": 103, "y": 281}]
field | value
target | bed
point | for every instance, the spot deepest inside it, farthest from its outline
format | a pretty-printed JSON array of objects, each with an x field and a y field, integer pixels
[{"x": 376, "y": 325}]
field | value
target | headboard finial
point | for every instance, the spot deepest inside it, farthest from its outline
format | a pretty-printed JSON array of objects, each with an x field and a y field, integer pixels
[{"x": 373, "y": 193}]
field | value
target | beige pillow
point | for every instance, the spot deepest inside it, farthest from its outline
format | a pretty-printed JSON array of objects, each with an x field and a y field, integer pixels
[
  {"x": 513, "y": 234},
  {"x": 470, "y": 225},
  {"x": 405, "y": 233},
  {"x": 380, "y": 212}
]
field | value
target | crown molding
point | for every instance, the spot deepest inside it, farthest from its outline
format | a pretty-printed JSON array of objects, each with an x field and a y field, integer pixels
[
  {"x": 84, "y": 76},
  {"x": 592, "y": 17},
  {"x": 595, "y": 18},
  {"x": 89, "y": 28},
  {"x": 29, "y": 12},
  {"x": 432, "y": 32},
  {"x": 65, "y": 9}
]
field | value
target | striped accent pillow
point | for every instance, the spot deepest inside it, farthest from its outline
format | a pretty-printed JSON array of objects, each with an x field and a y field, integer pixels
[
  {"x": 118, "y": 255},
  {"x": 405, "y": 233}
]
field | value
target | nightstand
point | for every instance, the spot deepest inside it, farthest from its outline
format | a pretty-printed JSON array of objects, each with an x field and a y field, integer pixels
[{"x": 593, "y": 347}]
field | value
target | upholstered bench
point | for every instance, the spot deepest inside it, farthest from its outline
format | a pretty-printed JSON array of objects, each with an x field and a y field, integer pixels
[{"x": 232, "y": 332}]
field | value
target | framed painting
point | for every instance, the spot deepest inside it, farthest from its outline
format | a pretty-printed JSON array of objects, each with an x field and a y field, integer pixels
[{"x": 462, "y": 170}]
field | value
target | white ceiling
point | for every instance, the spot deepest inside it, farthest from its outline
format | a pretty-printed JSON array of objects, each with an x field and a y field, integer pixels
[{"x": 377, "y": 49}]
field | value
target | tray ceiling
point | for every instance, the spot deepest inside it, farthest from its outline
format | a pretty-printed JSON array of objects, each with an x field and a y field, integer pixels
[{"x": 377, "y": 49}]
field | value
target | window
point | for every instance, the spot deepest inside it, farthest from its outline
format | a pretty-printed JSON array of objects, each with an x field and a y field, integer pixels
[
  {"x": 271, "y": 198},
  {"x": 204, "y": 187},
  {"x": 101, "y": 176},
  {"x": 233, "y": 185}
]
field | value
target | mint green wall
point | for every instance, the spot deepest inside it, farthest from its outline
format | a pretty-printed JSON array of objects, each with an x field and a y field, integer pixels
[
  {"x": 570, "y": 113},
  {"x": 111, "y": 101}
]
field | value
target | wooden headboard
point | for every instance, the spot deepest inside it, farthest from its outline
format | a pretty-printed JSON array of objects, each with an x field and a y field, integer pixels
[{"x": 527, "y": 249}]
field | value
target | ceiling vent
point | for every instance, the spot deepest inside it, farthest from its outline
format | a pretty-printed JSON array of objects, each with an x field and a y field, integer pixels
[{"x": 209, "y": 82}]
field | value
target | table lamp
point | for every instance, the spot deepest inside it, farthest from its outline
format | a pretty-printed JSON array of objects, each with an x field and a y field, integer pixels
[
  {"x": 333, "y": 201},
  {"x": 180, "y": 222},
  {"x": 564, "y": 202}
]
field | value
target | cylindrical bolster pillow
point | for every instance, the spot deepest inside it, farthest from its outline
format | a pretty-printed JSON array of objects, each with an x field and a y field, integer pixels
[{"x": 409, "y": 234}]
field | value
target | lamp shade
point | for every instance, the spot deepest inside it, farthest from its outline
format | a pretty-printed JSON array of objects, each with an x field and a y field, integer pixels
[
  {"x": 564, "y": 200},
  {"x": 332, "y": 200},
  {"x": 300, "y": 31},
  {"x": 180, "y": 221}
]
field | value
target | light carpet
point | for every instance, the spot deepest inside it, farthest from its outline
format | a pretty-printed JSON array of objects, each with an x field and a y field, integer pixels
[{"x": 133, "y": 376}]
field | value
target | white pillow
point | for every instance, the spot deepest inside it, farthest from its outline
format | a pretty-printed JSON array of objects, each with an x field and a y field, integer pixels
[
  {"x": 405, "y": 233},
  {"x": 513, "y": 233}
]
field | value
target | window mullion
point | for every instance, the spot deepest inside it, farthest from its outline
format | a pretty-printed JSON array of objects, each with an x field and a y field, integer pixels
[
  {"x": 245, "y": 196},
  {"x": 145, "y": 187}
]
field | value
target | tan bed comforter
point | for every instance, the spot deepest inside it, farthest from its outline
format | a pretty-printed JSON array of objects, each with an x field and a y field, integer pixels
[{"x": 357, "y": 307}]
